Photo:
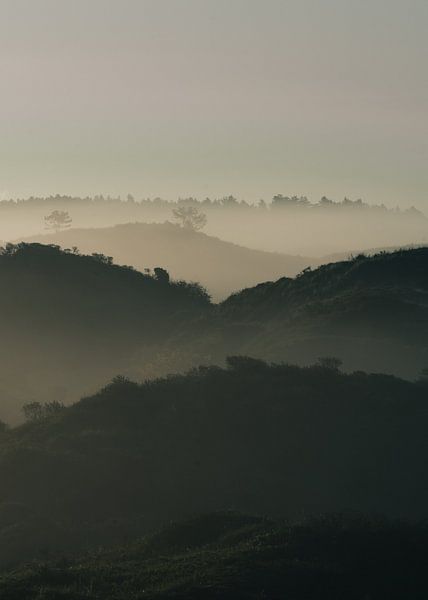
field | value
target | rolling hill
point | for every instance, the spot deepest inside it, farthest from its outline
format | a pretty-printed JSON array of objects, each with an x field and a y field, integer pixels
[
  {"x": 221, "y": 267},
  {"x": 73, "y": 321},
  {"x": 70, "y": 322},
  {"x": 230, "y": 556},
  {"x": 264, "y": 439},
  {"x": 371, "y": 311}
]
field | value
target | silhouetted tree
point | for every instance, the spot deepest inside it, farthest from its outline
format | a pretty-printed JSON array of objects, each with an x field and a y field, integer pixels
[
  {"x": 102, "y": 258},
  {"x": 33, "y": 411},
  {"x": 120, "y": 379},
  {"x": 51, "y": 408},
  {"x": 190, "y": 217},
  {"x": 244, "y": 363},
  {"x": 304, "y": 271},
  {"x": 161, "y": 275},
  {"x": 326, "y": 201},
  {"x": 229, "y": 202},
  {"x": 58, "y": 220},
  {"x": 330, "y": 362}
]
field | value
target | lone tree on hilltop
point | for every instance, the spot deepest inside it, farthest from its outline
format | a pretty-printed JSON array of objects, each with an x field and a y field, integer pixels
[
  {"x": 58, "y": 220},
  {"x": 190, "y": 217},
  {"x": 161, "y": 275}
]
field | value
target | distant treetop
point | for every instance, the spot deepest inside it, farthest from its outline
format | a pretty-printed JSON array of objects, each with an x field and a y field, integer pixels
[
  {"x": 189, "y": 217},
  {"x": 58, "y": 220},
  {"x": 279, "y": 201}
]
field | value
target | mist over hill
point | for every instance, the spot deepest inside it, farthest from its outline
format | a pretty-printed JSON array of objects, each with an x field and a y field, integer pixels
[
  {"x": 72, "y": 322},
  {"x": 290, "y": 225},
  {"x": 214, "y": 367},
  {"x": 221, "y": 267},
  {"x": 370, "y": 311}
]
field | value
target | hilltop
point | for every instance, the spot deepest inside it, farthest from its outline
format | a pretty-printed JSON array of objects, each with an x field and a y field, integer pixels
[
  {"x": 372, "y": 311},
  {"x": 402, "y": 271},
  {"x": 221, "y": 267},
  {"x": 265, "y": 439}
]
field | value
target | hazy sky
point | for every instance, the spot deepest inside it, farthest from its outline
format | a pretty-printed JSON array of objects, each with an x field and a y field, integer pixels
[{"x": 212, "y": 97}]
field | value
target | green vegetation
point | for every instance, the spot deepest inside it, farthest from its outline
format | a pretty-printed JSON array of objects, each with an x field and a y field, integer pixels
[{"x": 229, "y": 556}]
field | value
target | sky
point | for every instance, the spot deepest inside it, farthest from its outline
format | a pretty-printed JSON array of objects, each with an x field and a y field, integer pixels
[{"x": 177, "y": 98}]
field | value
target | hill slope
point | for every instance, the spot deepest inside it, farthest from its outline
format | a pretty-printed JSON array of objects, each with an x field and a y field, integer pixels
[
  {"x": 371, "y": 311},
  {"x": 221, "y": 267},
  {"x": 277, "y": 440},
  {"x": 288, "y": 225},
  {"x": 72, "y": 322},
  {"x": 233, "y": 556}
]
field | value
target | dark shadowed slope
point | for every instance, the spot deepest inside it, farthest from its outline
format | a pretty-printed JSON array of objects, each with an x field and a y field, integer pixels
[
  {"x": 70, "y": 322},
  {"x": 277, "y": 440},
  {"x": 403, "y": 270},
  {"x": 230, "y": 556},
  {"x": 221, "y": 267},
  {"x": 341, "y": 256},
  {"x": 370, "y": 311}
]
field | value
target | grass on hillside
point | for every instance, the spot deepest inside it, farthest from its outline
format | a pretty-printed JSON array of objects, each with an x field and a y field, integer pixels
[{"x": 232, "y": 556}]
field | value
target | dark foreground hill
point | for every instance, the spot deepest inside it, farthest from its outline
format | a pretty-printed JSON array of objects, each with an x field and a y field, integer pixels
[
  {"x": 276, "y": 440},
  {"x": 71, "y": 322},
  {"x": 221, "y": 267},
  {"x": 370, "y": 311},
  {"x": 229, "y": 556}
]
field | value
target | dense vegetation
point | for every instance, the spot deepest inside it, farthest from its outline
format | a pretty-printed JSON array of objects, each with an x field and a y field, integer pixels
[
  {"x": 402, "y": 271},
  {"x": 278, "y": 202},
  {"x": 253, "y": 437},
  {"x": 277, "y": 440},
  {"x": 72, "y": 322},
  {"x": 371, "y": 311},
  {"x": 230, "y": 556}
]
